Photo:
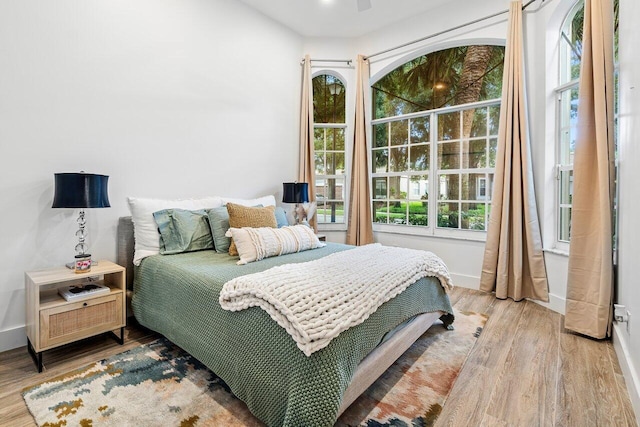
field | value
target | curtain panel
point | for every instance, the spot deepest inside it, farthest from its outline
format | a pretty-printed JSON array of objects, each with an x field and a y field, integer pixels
[
  {"x": 306, "y": 164},
  {"x": 513, "y": 264},
  {"x": 590, "y": 275},
  {"x": 360, "y": 227}
]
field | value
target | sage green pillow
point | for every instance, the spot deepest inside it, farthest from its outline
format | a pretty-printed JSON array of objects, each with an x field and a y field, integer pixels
[
  {"x": 183, "y": 230},
  {"x": 219, "y": 223}
]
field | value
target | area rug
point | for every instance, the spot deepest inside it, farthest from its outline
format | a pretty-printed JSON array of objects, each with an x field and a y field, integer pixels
[{"x": 160, "y": 384}]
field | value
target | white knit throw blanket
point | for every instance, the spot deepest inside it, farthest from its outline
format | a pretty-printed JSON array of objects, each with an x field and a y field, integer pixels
[{"x": 315, "y": 301}]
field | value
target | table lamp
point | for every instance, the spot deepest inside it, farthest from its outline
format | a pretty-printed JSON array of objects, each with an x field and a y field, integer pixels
[
  {"x": 81, "y": 190},
  {"x": 298, "y": 193}
]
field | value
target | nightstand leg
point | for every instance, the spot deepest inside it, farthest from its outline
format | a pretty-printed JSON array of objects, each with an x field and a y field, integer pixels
[
  {"x": 120, "y": 338},
  {"x": 37, "y": 357}
]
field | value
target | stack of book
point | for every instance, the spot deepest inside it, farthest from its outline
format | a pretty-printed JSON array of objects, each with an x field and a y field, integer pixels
[{"x": 71, "y": 293}]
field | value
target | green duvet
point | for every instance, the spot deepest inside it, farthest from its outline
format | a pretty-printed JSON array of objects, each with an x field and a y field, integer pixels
[{"x": 177, "y": 296}]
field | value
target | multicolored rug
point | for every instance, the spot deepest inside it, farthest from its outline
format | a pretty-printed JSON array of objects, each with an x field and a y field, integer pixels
[{"x": 160, "y": 384}]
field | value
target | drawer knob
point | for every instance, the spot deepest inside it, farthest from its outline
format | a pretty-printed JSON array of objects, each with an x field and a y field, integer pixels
[{"x": 84, "y": 305}]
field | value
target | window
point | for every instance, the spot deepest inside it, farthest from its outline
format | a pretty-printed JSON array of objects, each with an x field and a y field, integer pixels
[
  {"x": 329, "y": 147},
  {"x": 570, "y": 51},
  {"x": 434, "y": 143},
  {"x": 567, "y": 92}
]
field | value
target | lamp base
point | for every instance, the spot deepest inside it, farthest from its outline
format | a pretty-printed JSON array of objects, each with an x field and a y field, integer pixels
[{"x": 72, "y": 265}]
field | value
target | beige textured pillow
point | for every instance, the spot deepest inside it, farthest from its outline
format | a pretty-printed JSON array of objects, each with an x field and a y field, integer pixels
[
  {"x": 255, "y": 244},
  {"x": 245, "y": 216}
]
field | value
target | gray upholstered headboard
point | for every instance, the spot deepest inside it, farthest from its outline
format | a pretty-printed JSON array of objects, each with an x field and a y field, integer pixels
[{"x": 125, "y": 247}]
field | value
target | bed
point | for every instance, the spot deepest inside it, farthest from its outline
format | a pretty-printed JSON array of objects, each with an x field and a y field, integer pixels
[{"x": 177, "y": 296}]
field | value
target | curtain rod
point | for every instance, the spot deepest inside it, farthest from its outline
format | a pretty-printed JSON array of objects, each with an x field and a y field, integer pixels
[
  {"x": 475, "y": 21},
  {"x": 348, "y": 61}
]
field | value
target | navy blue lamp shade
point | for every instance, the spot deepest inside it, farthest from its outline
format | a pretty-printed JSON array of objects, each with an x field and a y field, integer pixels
[
  {"x": 81, "y": 190},
  {"x": 295, "y": 192}
]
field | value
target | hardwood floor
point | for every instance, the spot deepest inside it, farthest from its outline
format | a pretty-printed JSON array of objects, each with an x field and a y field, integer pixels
[{"x": 525, "y": 370}]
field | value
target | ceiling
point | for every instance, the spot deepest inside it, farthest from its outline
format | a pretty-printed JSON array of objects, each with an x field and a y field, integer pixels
[{"x": 339, "y": 18}]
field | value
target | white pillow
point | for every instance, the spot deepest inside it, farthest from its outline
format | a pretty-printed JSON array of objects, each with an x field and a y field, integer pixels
[
  {"x": 254, "y": 244},
  {"x": 269, "y": 200},
  {"x": 147, "y": 237}
]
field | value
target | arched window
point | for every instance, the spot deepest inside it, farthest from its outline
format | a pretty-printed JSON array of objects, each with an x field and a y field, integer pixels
[
  {"x": 435, "y": 134},
  {"x": 570, "y": 51},
  {"x": 329, "y": 147}
]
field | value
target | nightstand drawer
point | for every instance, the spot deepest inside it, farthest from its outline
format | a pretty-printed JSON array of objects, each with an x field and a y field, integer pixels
[{"x": 69, "y": 322}]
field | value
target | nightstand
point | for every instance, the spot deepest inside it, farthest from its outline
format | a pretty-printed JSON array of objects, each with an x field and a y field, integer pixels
[{"x": 53, "y": 321}]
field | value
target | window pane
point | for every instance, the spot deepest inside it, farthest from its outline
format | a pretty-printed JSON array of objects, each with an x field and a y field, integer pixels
[
  {"x": 398, "y": 187},
  {"x": 419, "y": 187},
  {"x": 331, "y": 212},
  {"x": 474, "y": 154},
  {"x": 472, "y": 216},
  {"x": 419, "y": 157},
  {"x": 318, "y": 139},
  {"x": 419, "y": 210},
  {"x": 493, "y": 149},
  {"x": 328, "y": 99},
  {"x": 319, "y": 161},
  {"x": 334, "y": 189},
  {"x": 474, "y": 186},
  {"x": 449, "y": 155},
  {"x": 494, "y": 120},
  {"x": 448, "y": 126},
  {"x": 321, "y": 191},
  {"x": 397, "y": 212},
  {"x": 436, "y": 80},
  {"x": 339, "y": 162},
  {"x": 420, "y": 130},
  {"x": 380, "y": 159},
  {"x": 398, "y": 159},
  {"x": 449, "y": 187},
  {"x": 379, "y": 188},
  {"x": 568, "y": 125},
  {"x": 490, "y": 187},
  {"x": 380, "y": 212},
  {"x": 448, "y": 215},
  {"x": 566, "y": 187},
  {"x": 381, "y": 135},
  {"x": 564, "y": 228},
  {"x": 335, "y": 139},
  {"x": 475, "y": 122},
  {"x": 399, "y": 132}
]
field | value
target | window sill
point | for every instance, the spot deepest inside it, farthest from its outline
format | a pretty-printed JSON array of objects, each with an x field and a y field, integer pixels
[
  {"x": 325, "y": 227},
  {"x": 469, "y": 236},
  {"x": 556, "y": 251}
]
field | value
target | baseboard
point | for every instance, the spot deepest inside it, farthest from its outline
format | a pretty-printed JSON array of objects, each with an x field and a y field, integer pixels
[
  {"x": 556, "y": 303},
  {"x": 13, "y": 338},
  {"x": 464, "y": 281},
  {"x": 625, "y": 360}
]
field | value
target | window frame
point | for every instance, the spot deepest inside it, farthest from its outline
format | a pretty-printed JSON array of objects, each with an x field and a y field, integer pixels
[
  {"x": 342, "y": 225},
  {"x": 564, "y": 85},
  {"x": 433, "y": 176}
]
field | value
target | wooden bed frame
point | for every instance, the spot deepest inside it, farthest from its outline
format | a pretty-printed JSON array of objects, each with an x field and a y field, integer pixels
[{"x": 369, "y": 369}]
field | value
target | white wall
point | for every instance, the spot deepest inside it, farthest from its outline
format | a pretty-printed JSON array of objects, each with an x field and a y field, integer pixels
[
  {"x": 171, "y": 98},
  {"x": 627, "y": 336}
]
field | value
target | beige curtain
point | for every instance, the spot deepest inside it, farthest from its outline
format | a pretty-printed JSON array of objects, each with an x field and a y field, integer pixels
[
  {"x": 306, "y": 169},
  {"x": 590, "y": 278},
  {"x": 360, "y": 228},
  {"x": 513, "y": 263}
]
